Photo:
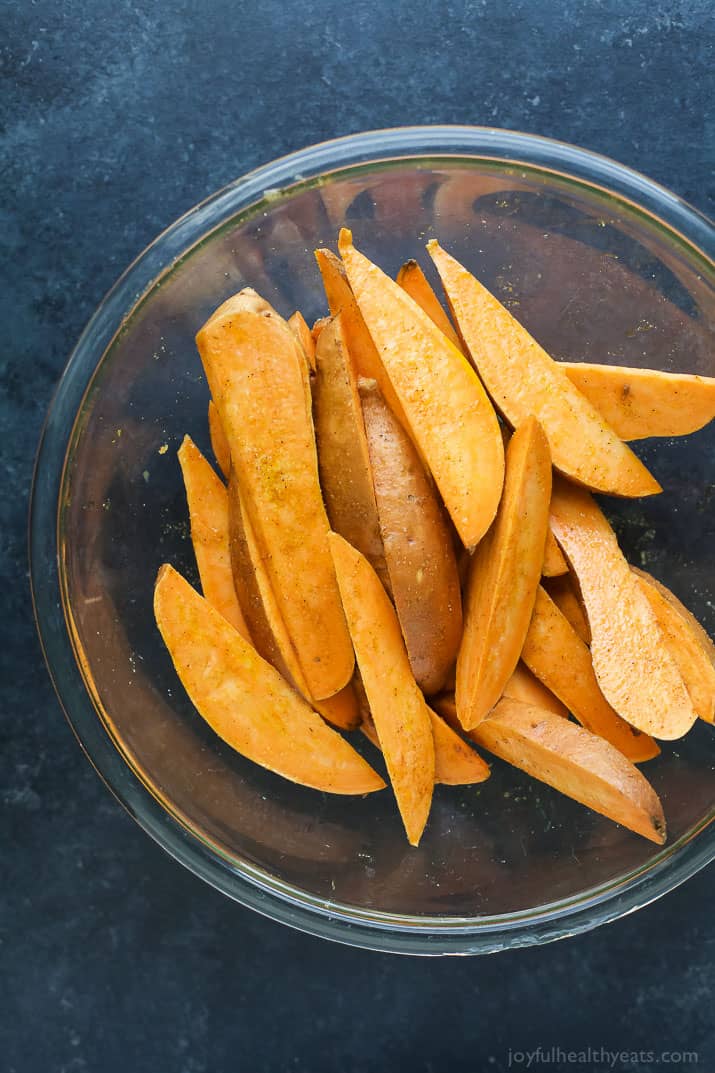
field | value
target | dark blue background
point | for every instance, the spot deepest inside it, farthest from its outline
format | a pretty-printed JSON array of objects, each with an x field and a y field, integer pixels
[{"x": 116, "y": 118}]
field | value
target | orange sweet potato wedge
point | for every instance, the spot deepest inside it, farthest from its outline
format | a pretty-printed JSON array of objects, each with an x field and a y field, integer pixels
[
  {"x": 558, "y": 657},
  {"x": 259, "y": 383},
  {"x": 631, "y": 657},
  {"x": 399, "y": 711},
  {"x": 219, "y": 444},
  {"x": 455, "y": 762},
  {"x": 361, "y": 347},
  {"x": 503, "y": 577},
  {"x": 554, "y": 563},
  {"x": 686, "y": 648},
  {"x": 208, "y": 515},
  {"x": 523, "y": 379},
  {"x": 704, "y": 639},
  {"x": 417, "y": 543},
  {"x": 526, "y": 687},
  {"x": 638, "y": 403},
  {"x": 268, "y": 630},
  {"x": 448, "y": 413},
  {"x": 303, "y": 334},
  {"x": 564, "y": 594},
  {"x": 413, "y": 280},
  {"x": 317, "y": 328},
  {"x": 246, "y": 701},
  {"x": 343, "y": 455},
  {"x": 575, "y": 762}
]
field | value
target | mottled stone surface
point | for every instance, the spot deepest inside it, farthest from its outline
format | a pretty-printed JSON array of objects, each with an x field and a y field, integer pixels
[{"x": 116, "y": 118}]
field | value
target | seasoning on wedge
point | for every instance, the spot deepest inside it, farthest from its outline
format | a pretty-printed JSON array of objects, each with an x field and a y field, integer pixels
[
  {"x": 417, "y": 543},
  {"x": 638, "y": 403},
  {"x": 685, "y": 646},
  {"x": 303, "y": 334},
  {"x": 634, "y": 667},
  {"x": 523, "y": 379},
  {"x": 268, "y": 630},
  {"x": 246, "y": 701},
  {"x": 219, "y": 444},
  {"x": 455, "y": 762},
  {"x": 575, "y": 762},
  {"x": 413, "y": 280},
  {"x": 563, "y": 592},
  {"x": 558, "y": 657},
  {"x": 343, "y": 456},
  {"x": 399, "y": 711},
  {"x": 449, "y": 415},
  {"x": 208, "y": 514},
  {"x": 258, "y": 381},
  {"x": 504, "y": 576}
]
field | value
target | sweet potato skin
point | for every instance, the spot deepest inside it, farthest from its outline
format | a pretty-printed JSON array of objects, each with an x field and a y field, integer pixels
[
  {"x": 503, "y": 578},
  {"x": 558, "y": 657},
  {"x": 219, "y": 443},
  {"x": 448, "y": 413},
  {"x": 246, "y": 701},
  {"x": 417, "y": 545},
  {"x": 523, "y": 379},
  {"x": 574, "y": 761},
  {"x": 413, "y": 280},
  {"x": 638, "y": 403},
  {"x": 209, "y": 518},
  {"x": 260, "y": 385},
  {"x": 635, "y": 670},
  {"x": 399, "y": 711}
]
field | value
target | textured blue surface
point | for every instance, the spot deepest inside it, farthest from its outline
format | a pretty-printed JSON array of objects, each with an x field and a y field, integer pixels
[{"x": 117, "y": 117}]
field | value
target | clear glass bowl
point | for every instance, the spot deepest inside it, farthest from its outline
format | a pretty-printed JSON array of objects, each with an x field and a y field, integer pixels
[{"x": 601, "y": 265}]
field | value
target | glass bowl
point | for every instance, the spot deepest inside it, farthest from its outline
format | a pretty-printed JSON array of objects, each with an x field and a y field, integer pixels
[{"x": 602, "y": 265}]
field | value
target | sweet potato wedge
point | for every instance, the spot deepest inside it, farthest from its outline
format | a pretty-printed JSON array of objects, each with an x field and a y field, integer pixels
[
  {"x": 268, "y": 630},
  {"x": 455, "y": 762},
  {"x": 575, "y": 762},
  {"x": 526, "y": 687},
  {"x": 219, "y": 443},
  {"x": 417, "y": 543},
  {"x": 634, "y": 667},
  {"x": 343, "y": 456},
  {"x": 449, "y": 415},
  {"x": 558, "y": 657},
  {"x": 703, "y": 637},
  {"x": 303, "y": 334},
  {"x": 246, "y": 701},
  {"x": 413, "y": 280},
  {"x": 503, "y": 577},
  {"x": 399, "y": 711},
  {"x": 638, "y": 403},
  {"x": 523, "y": 379},
  {"x": 564, "y": 594},
  {"x": 317, "y": 328},
  {"x": 554, "y": 563},
  {"x": 208, "y": 515},
  {"x": 685, "y": 646},
  {"x": 258, "y": 381}
]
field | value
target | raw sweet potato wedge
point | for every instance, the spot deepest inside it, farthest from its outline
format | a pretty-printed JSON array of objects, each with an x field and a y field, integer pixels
[
  {"x": 343, "y": 456},
  {"x": 246, "y": 701},
  {"x": 554, "y": 563},
  {"x": 564, "y": 594},
  {"x": 399, "y": 711},
  {"x": 318, "y": 327},
  {"x": 503, "y": 577},
  {"x": 638, "y": 403},
  {"x": 449, "y": 415},
  {"x": 258, "y": 379},
  {"x": 413, "y": 280},
  {"x": 303, "y": 334},
  {"x": 575, "y": 762},
  {"x": 219, "y": 443},
  {"x": 703, "y": 637},
  {"x": 558, "y": 657},
  {"x": 634, "y": 667},
  {"x": 523, "y": 379},
  {"x": 208, "y": 515},
  {"x": 526, "y": 687},
  {"x": 455, "y": 762},
  {"x": 417, "y": 544},
  {"x": 689, "y": 654},
  {"x": 268, "y": 630}
]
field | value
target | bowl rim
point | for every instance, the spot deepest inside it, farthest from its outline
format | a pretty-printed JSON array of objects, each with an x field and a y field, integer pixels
[{"x": 249, "y": 885}]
